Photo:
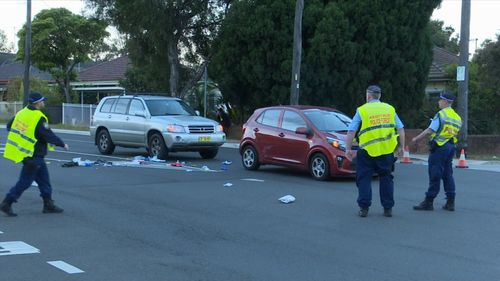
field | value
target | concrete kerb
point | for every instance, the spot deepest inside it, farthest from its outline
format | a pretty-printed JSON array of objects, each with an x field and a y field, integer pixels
[{"x": 493, "y": 166}]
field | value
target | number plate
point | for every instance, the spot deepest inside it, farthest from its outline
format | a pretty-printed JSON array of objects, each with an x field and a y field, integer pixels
[{"x": 203, "y": 139}]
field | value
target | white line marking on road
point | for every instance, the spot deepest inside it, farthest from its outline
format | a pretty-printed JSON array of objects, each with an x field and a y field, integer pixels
[
  {"x": 16, "y": 248},
  {"x": 1, "y": 232},
  {"x": 68, "y": 268},
  {"x": 252, "y": 180}
]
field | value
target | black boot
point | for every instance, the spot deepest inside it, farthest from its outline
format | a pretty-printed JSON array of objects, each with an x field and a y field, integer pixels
[
  {"x": 6, "y": 207},
  {"x": 426, "y": 205},
  {"x": 363, "y": 212},
  {"x": 450, "y": 204},
  {"x": 49, "y": 207}
]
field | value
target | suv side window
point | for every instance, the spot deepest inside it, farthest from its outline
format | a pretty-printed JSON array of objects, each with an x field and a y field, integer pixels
[
  {"x": 106, "y": 107},
  {"x": 292, "y": 120},
  {"x": 270, "y": 117},
  {"x": 136, "y": 107},
  {"x": 121, "y": 106}
]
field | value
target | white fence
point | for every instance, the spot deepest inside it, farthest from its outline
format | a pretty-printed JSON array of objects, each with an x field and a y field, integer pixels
[
  {"x": 77, "y": 114},
  {"x": 72, "y": 113},
  {"x": 9, "y": 109}
]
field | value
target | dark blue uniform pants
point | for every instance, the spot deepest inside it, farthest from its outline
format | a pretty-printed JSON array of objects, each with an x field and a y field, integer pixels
[
  {"x": 441, "y": 168},
  {"x": 366, "y": 166},
  {"x": 34, "y": 169}
]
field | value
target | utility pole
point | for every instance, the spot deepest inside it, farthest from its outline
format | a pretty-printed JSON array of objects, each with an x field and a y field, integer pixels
[
  {"x": 297, "y": 52},
  {"x": 205, "y": 98},
  {"x": 463, "y": 79},
  {"x": 27, "y": 53}
]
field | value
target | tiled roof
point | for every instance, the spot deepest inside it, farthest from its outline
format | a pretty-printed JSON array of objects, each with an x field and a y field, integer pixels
[
  {"x": 441, "y": 59},
  {"x": 16, "y": 69},
  {"x": 6, "y": 58},
  {"x": 113, "y": 70}
]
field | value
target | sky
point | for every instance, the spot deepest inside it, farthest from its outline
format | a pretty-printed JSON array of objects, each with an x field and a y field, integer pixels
[{"x": 484, "y": 22}]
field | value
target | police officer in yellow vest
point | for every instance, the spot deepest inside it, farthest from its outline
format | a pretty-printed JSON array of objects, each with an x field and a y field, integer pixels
[
  {"x": 378, "y": 128},
  {"x": 27, "y": 142},
  {"x": 443, "y": 129}
]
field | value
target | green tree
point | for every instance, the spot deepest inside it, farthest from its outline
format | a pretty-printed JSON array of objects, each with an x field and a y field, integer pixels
[
  {"x": 443, "y": 36},
  {"x": 483, "y": 91},
  {"x": 61, "y": 40},
  {"x": 252, "y": 59},
  {"x": 347, "y": 45},
  {"x": 164, "y": 38},
  {"x": 15, "y": 90},
  {"x": 485, "y": 96},
  {"x": 4, "y": 44},
  {"x": 196, "y": 97}
]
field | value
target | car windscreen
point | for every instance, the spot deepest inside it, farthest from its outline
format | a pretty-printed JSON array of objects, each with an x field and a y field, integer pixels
[
  {"x": 328, "y": 121},
  {"x": 168, "y": 107}
]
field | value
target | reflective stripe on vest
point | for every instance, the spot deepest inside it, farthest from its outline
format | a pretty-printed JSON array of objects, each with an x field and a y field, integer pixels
[
  {"x": 21, "y": 139},
  {"x": 377, "y": 134},
  {"x": 449, "y": 125}
]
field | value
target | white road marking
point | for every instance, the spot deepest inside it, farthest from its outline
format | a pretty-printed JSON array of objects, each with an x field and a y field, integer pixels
[
  {"x": 68, "y": 268},
  {"x": 257, "y": 180},
  {"x": 16, "y": 248},
  {"x": 1, "y": 232}
]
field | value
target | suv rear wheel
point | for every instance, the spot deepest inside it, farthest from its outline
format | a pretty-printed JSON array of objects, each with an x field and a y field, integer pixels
[
  {"x": 250, "y": 158},
  {"x": 209, "y": 153},
  {"x": 319, "y": 167},
  {"x": 104, "y": 142},
  {"x": 157, "y": 146}
]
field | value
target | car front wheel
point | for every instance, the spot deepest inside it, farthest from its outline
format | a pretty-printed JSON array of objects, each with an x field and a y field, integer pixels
[
  {"x": 104, "y": 142},
  {"x": 319, "y": 167},
  {"x": 250, "y": 158},
  {"x": 157, "y": 147}
]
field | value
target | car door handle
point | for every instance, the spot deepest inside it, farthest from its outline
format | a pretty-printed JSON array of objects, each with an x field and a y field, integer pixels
[
  {"x": 127, "y": 118},
  {"x": 109, "y": 116},
  {"x": 281, "y": 135},
  {"x": 256, "y": 130}
]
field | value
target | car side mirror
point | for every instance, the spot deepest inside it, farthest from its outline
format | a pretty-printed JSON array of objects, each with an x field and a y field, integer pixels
[
  {"x": 140, "y": 114},
  {"x": 304, "y": 131}
]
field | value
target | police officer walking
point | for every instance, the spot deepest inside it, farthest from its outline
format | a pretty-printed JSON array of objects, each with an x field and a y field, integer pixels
[
  {"x": 378, "y": 128},
  {"x": 27, "y": 142},
  {"x": 443, "y": 129}
]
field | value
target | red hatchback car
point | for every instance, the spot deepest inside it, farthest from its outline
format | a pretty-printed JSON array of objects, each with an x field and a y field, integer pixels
[{"x": 305, "y": 137}]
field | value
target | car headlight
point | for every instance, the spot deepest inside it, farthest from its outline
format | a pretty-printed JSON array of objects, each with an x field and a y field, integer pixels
[
  {"x": 336, "y": 143},
  {"x": 219, "y": 128},
  {"x": 172, "y": 128}
]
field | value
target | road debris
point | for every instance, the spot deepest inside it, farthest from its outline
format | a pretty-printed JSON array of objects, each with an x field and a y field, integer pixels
[{"x": 287, "y": 199}]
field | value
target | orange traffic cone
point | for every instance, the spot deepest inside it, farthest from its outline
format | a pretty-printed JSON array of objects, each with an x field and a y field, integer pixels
[
  {"x": 461, "y": 162},
  {"x": 406, "y": 156}
]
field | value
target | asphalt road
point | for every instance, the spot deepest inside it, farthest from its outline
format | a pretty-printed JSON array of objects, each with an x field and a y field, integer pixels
[{"x": 158, "y": 222}]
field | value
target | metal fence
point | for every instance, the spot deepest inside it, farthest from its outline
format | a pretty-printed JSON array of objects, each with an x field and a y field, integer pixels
[{"x": 77, "y": 114}]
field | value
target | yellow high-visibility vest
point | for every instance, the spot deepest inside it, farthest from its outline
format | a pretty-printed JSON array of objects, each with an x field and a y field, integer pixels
[
  {"x": 21, "y": 139},
  {"x": 377, "y": 134},
  {"x": 450, "y": 123}
]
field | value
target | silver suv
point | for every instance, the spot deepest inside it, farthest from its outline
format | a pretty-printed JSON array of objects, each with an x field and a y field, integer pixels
[{"x": 160, "y": 124}]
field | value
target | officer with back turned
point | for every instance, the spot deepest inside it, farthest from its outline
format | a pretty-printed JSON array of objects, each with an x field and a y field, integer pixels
[{"x": 379, "y": 127}]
